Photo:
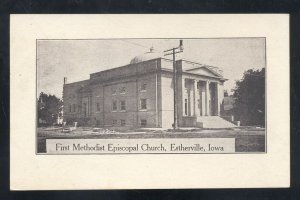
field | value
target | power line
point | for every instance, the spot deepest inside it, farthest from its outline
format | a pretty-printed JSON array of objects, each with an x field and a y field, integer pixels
[{"x": 137, "y": 44}]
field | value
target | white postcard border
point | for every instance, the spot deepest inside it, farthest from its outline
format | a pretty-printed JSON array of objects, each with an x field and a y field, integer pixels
[{"x": 38, "y": 172}]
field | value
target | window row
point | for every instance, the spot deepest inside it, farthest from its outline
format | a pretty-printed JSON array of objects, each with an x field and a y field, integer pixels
[
  {"x": 122, "y": 90},
  {"x": 122, "y": 122},
  {"x": 72, "y": 108},
  {"x": 122, "y": 105}
]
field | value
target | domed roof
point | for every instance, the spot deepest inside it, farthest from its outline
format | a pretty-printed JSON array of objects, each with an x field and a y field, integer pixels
[{"x": 146, "y": 56}]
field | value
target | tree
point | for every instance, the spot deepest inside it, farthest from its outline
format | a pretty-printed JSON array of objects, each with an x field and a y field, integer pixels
[
  {"x": 249, "y": 94},
  {"x": 49, "y": 107}
]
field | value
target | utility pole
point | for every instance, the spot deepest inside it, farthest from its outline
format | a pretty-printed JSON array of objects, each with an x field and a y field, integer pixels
[{"x": 173, "y": 52}]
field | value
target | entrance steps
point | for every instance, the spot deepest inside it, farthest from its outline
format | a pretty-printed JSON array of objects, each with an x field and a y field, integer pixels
[{"x": 213, "y": 122}]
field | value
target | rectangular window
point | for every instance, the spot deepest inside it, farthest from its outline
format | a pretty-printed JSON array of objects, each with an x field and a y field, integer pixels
[
  {"x": 123, "y": 105},
  {"x": 143, "y": 122},
  {"x": 70, "y": 108},
  {"x": 185, "y": 106},
  {"x": 74, "y": 108},
  {"x": 143, "y": 87},
  {"x": 114, "y": 122},
  {"x": 114, "y": 92},
  {"x": 143, "y": 104},
  {"x": 123, "y": 122},
  {"x": 98, "y": 107},
  {"x": 85, "y": 109},
  {"x": 114, "y": 106},
  {"x": 123, "y": 90}
]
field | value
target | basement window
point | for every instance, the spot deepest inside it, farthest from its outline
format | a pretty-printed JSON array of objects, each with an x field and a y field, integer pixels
[
  {"x": 143, "y": 122},
  {"x": 123, "y": 122}
]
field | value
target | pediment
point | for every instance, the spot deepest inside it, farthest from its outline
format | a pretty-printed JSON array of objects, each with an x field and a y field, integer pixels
[{"x": 204, "y": 71}]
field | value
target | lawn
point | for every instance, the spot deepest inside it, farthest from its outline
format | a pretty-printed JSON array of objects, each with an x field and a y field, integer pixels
[{"x": 248, "y": 139}]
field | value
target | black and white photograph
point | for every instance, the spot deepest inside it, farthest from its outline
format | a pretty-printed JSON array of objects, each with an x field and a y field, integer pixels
[{"x": 151, "y": 95}]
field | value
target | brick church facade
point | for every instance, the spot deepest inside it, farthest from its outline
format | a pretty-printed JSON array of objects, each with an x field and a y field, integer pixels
[{"x": 140, "y": 94}]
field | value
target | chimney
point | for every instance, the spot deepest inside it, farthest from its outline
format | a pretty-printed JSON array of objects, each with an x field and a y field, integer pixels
[{"x": 65, "y": 80}]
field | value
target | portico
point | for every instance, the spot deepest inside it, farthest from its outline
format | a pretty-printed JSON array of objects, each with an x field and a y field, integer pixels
[{"x": 200, "y": 97}]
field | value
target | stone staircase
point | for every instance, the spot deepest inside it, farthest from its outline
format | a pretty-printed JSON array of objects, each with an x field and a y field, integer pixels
[{"x": 213, "y": 122}]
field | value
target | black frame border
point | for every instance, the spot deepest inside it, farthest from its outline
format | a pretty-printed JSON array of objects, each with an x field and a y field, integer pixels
[{"x": 291, "y": 7}]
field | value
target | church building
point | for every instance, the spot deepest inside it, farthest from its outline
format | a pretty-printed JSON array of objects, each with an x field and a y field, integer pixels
[{"x": 141, "y": 94}]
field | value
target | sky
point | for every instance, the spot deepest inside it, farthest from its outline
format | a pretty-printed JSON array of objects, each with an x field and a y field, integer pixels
[{"x": 77, "y": 59}]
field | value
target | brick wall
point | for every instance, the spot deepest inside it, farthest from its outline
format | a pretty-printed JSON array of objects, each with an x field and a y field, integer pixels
[
  {"x": 71, "y": 98},
  {"x": 104, "y": 88},
  {"x": 132, "y": 97}
]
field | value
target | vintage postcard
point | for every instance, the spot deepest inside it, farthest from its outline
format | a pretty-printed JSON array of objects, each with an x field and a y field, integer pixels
[{"x": 128, "y": 101}]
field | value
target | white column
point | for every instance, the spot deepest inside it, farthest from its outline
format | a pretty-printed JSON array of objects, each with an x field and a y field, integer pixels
[
  {"x": 220, "y": 96},
  {"x": 183, "y": 96},
  {"x": 217, "y": 99},
  {"x": 203, "y": 103},
  {"x": 207, "y": 98},
  {"x": 196, "y": 109}
]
